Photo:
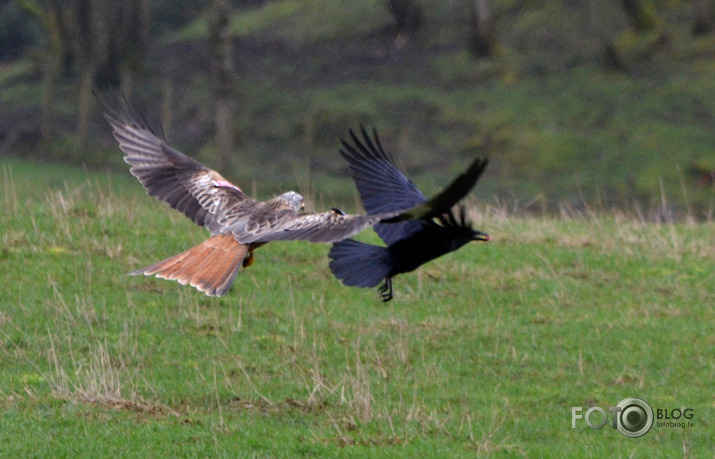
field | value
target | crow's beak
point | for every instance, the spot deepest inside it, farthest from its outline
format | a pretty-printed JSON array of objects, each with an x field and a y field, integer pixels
[{"x": 479, "y": 236}]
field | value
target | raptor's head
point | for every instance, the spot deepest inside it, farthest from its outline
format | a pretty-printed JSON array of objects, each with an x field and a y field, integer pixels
[{"x": 292, "y": 200}]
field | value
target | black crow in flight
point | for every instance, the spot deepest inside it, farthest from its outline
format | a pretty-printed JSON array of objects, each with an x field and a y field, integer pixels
[{"x": 410, "y": 243}]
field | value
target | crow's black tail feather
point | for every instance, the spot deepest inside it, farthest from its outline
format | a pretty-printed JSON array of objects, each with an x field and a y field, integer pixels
[{"x": 358, "y": 264}]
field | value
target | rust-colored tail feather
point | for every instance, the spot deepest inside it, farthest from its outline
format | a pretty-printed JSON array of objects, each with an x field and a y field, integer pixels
[{"x": 210, "y": 267}]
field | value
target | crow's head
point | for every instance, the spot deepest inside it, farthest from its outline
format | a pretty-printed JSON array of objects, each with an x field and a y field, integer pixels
[{"x": 461, "y": 228}]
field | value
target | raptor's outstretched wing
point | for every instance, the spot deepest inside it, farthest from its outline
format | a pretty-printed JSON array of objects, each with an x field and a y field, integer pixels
[
  {"x": 208, "y": 199},
  {"x": 326, "y": 227},
  {"x": 166, "y": 173}
]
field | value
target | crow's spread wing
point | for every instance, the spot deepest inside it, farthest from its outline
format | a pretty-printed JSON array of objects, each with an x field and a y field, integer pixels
[
  {"x": 384, "y": 188},
  {"x": 444, "y": 201},
  {"x": 381, "y": 184}
]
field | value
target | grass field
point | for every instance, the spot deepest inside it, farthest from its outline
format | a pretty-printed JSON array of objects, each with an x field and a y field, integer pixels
[{"x": 483, "y": 351}]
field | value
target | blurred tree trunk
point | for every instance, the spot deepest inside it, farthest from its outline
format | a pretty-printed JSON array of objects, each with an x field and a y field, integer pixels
[
  {"x": 99, "y": 39},
  {"x": 222, "y": 80},
  {"x": 108, "y": 40},
  {"x": 129, "y": 39},
  {"x": 408, "y": 19},
  {"x": 609, "y": 57},
  {"x": 702, "y": 17},
  {"x": 640, "y": 17},
  {"x": 167, "y": 103},
  {"x": 52, "y": 70},
  {"x": 88, "y": 23},
  {"x": 482, "y": 38},
  {"x": 84, "y": 105},
  {"x": 55, "y": 56}
]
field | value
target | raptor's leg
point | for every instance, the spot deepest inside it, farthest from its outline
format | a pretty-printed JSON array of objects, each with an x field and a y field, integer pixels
[
  {"x": 386, "y": 290},
  {"x": 248, "y": 260}
]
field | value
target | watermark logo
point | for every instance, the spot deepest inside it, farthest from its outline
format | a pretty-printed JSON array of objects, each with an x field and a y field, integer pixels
[{"x": 633, "y": 417}]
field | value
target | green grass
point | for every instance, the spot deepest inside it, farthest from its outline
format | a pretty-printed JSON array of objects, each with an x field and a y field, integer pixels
[{"x": 482, "y": 351}]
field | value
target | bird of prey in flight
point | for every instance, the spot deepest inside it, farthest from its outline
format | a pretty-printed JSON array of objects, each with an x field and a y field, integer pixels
[
  {"x": 410, "y": 243},
  {"x": 238, "y": 223}
]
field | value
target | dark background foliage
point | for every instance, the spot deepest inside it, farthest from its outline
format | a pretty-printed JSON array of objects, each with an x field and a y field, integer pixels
[{"x": 577, "y": 103}]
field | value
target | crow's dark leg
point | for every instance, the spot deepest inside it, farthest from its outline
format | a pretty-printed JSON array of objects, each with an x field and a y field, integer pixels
[{"x": 386, "y": 290}]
